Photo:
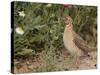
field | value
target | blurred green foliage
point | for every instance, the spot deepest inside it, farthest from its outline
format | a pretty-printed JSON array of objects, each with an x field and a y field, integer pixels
[{"x": 43, "y": 26}]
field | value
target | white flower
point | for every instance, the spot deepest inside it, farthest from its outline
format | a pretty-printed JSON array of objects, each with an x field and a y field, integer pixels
[
  {"x": 48, "y": 5},
  {"x": 21, "y": 13},
  {"x": 19, "y": 30}
]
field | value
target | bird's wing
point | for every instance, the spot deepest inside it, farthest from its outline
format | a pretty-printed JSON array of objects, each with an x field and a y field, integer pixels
[{"x": 80, "y": 43}]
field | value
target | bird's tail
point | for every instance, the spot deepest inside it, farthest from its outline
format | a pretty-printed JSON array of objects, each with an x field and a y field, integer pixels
[{"x": 92, "y": 49}]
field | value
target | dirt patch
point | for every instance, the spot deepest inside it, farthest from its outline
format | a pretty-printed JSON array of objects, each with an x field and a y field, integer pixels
[{"x": 63, "y": 61}]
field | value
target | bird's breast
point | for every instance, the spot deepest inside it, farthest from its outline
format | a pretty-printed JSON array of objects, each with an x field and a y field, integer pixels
[
  {"x": 68, "y": 38},
  {"x": 69, "y": 44}
]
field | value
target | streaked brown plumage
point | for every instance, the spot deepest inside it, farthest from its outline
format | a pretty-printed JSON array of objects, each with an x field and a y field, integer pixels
[{"x": 72, "y": 41}]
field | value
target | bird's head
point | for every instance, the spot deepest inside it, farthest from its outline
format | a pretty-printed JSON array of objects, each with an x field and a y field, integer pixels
[{"x": 68, "y": 21}]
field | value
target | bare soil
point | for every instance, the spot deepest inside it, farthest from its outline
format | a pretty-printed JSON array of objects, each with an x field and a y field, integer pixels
[{"x": 64, "y": 62}]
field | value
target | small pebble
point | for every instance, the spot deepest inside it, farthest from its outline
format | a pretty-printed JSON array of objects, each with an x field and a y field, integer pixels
[
  {"x": 95, "y": 65},
  {"x": 66, "y": 69}
]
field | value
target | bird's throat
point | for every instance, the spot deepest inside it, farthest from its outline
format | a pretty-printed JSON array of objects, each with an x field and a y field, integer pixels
[{"x": 68, "y": 28}]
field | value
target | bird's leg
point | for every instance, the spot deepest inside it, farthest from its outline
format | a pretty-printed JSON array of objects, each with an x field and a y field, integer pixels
[{"x": 75, "y": 61}]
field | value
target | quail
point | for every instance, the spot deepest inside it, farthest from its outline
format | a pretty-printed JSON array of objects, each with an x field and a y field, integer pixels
[{"x": 75, "y": 45}]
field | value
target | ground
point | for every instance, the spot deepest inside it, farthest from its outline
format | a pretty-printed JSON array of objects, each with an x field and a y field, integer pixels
[{"x": 64, "y": 62}]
